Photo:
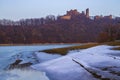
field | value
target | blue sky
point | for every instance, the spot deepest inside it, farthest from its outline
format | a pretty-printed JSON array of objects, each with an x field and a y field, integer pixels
[{"x": 19, "y": 9}]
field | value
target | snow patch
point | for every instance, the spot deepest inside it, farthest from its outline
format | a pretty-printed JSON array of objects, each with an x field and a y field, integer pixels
[
  {"x": 17, "y": 74},
  {"x": 95, "y": 59},
  {"x": 42, "y": 56}
]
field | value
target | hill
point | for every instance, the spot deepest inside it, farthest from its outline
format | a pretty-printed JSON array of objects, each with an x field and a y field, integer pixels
[{"x": 73, "y": 27}]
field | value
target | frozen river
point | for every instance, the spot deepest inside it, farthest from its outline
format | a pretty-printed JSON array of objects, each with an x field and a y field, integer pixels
[
  {"x": 7, "y": 51},
  {"x": 8, "y": 55},
  {"x": 95, "y": 63}
]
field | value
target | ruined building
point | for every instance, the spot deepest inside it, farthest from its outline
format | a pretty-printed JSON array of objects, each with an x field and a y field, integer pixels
[
  {"x": 87, "y": 12},
  {"x": 72, "y": 13},
  {"x": 97, "y": 17}
]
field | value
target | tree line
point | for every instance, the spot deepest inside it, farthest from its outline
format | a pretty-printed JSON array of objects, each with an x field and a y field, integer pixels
[{"x": 55, "y": 30}]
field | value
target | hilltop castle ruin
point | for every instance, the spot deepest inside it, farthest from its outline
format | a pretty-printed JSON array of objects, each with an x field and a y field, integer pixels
[
  {"x": 84, "y": 14},
  {"x": 72, "y": 13}
]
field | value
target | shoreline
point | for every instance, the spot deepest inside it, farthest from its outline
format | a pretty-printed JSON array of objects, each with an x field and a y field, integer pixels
[{"x": 41, "y": 44}]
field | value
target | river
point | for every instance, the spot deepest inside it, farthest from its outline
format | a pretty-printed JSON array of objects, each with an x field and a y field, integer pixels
[{"x": 8, "y": 55}]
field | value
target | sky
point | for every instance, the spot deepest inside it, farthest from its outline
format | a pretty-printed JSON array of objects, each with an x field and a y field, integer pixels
[{"x": 22, "y": 9}]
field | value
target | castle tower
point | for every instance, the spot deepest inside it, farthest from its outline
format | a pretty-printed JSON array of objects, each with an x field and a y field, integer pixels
[{"x": 87, "y": 12}]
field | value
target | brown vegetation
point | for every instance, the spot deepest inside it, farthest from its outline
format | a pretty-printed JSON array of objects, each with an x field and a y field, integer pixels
[
  {"x": 78, "y": 29},
  {"x": 63, "y": 51}
]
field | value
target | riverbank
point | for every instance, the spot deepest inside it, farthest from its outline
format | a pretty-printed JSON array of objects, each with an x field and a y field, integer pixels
[
  {"x": 38, "y": 44},
  {"x": 64, "y": 51}
]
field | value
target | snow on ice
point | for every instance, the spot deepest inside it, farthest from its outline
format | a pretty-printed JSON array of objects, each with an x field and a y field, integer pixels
[
  {"x": 17, "y": 74},
  {"x": 99, "y": 60}
]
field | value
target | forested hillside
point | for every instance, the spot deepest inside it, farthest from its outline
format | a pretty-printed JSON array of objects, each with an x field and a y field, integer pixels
[{"x": 57, "y": 30}]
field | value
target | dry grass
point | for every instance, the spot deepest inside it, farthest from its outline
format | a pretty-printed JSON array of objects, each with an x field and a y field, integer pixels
[
  {"x": 118, "y": 48},
  {"x": 63, "y": 51},
  {"x": 115, "y": 43}
]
